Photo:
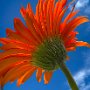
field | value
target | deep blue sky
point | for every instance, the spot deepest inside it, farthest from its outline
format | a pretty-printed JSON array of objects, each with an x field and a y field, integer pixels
[{"x": 78, "y": 64}]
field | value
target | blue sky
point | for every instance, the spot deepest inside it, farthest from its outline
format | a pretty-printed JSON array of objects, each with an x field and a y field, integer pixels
[{"x": 79, "y": 63}]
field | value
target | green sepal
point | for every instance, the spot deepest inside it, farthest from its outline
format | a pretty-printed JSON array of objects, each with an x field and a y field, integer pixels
[{"x": 49, "y": 54}]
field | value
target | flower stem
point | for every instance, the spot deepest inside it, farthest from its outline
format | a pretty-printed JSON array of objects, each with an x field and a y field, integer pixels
[{"x": 69, "y": 77}]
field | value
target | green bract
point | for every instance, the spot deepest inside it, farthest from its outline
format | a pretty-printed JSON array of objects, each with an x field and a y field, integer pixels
[{"x": 50, "y": 54}]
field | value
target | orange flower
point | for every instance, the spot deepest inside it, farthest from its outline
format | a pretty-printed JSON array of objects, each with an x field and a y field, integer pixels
[{"x": 40, "y": 45}]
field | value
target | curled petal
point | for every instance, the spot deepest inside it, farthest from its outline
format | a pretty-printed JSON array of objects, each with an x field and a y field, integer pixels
[
  {"x": 47, "y": 77},
  {"x": 24, "y": 77},
  {"x": 81, "y": 43},
  {"x": 71, "y": 49},
  {"x": 12, "y": 74},
  {"x": 39, "y": 74},
  {"x": 73, "y": 24},
  {"x": 14, "y": 36}
]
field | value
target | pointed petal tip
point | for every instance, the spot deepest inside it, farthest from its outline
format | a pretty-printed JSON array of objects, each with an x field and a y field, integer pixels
[
  {"x": 8, "y": 31},
  {"x": 28, "y": 5},
  {"x": 39, "y": 74},
  {"x": 67, "y": 57},
  {"x": 16, "y": 20},
  {"x": 39, "y": 80},
  {"x": 23, "y": 11},
  {"x": 81, "y": 43},
  {"x": 19, "y": 84},
  {"x": 47, "y": 77},
  {"x": 46, "y": 82},
  {"x": 88, "y": 45}
]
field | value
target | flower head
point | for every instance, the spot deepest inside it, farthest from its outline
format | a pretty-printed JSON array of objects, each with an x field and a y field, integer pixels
[{"x": 40, "y": 45}]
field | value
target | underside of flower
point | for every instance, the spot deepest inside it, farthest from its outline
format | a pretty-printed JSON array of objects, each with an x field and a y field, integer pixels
[
  {"x": 49, "y": 54},
  {"x": 41, "y": 44}
]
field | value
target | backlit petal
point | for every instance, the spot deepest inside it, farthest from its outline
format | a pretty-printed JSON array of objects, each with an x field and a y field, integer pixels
[{"x": 47, "y": 77}]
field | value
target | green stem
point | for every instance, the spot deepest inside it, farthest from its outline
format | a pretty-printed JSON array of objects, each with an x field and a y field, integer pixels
[{"x": 69, "y": 77}]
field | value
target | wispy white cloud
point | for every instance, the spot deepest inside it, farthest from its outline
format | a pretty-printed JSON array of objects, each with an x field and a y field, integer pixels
[
  {"x": 83, "y": 6},
  {"x": 84, "y": 74},
  {"x": 80, "y": 79},
  {"x": 81, "y": 3}
]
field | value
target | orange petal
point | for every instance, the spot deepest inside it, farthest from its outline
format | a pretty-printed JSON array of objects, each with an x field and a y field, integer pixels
[
  {"x": 63, "y": 2},
  {"x": 14, "y": 36},
  {"x": 1, "y": 78},
  {"x": 72, "y": 35},
  {"x": 29, "y": 9},
  {"x": 51, "y": 8},
  {"x": 71, "y": 49},
  {"x": 23, "y": 12},
  {"x": 8, "y": 62},
  {"x": 10, "y": 46},
  {"x": 59, "y": 20},
  {"x": 39, "y": 74},
  {"x": 49, "y": 17},
  {"x": 22, "y": 30},
  {"x": 35, "y": 22},
  {"x": 73, "y": 24},
  {"x": 31, "y": 27},
  {"x": 47, "y": 77},
  {"x": 56, "y": 8},
  {"x": 55, "y": 16},
  {"x": 4, "y": 40},
  {"x": 30, "y": 20},
  {"x": 13, "y": 51},
  {"x": 8, "y": 43},
  {"x": 45, "y": 7},
  {"x": 37, "y": 12},
  {"x": 70, "y": 16},
  {"x": 81, "y": 43},
  {"x": 22, "y": 70},
  {"x": 27, "y": 75},
  {"x": 42, "y": 16},
  {"x": 67, "y": 57},
  {"x": 12, "y": 73}
]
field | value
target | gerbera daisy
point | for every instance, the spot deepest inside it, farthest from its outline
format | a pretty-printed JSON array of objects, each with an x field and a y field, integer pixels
[{"x": 41, "y": 45}]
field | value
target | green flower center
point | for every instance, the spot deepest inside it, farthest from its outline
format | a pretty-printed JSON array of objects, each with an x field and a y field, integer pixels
[{"x": 50, "y": 54}]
